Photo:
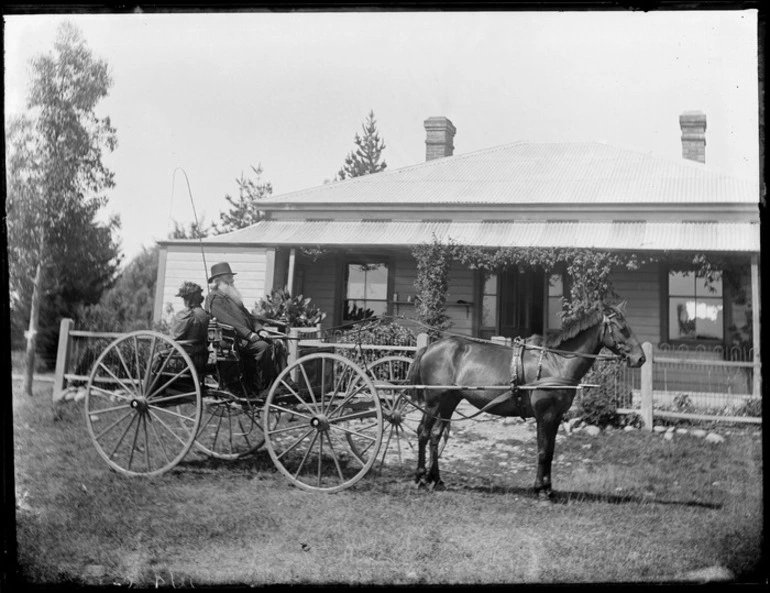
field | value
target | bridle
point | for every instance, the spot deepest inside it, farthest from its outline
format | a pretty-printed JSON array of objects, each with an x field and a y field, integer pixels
[{"x": 615, "y": 346}]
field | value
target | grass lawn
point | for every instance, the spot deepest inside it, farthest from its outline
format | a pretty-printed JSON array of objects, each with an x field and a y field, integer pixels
[{"x": 630, "y": 507}]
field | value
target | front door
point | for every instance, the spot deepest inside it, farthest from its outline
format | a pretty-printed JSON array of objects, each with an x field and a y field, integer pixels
[{"x": 521, "y": 302}]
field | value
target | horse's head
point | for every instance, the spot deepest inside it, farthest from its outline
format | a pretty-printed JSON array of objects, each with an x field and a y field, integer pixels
[{"x": 618, "y": 337}]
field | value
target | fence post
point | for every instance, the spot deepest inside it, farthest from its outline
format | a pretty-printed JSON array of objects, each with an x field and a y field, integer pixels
[
  {"x": 293, "y": 350},
  {"x": 647, "y": 386},
  {"x": 62, "y": 357},
  {"x": 422, "y": 340}
]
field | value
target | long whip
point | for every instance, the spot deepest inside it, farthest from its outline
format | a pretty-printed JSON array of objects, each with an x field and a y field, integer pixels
[{"x": 195, "y": 214}]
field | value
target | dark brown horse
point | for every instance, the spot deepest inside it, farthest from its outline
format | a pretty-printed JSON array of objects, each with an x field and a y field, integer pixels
[{"x": 562, "y": 361}]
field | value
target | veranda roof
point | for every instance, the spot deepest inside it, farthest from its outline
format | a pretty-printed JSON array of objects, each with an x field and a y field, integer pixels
[{"x": 608, "y": 235}]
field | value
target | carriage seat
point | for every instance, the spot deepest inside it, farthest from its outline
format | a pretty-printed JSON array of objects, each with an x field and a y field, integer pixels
[{"x": 223, "y": 340}]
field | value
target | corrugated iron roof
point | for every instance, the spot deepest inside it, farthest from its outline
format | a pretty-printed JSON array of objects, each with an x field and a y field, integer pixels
[
  {"x": 535, "y": 173},
  {"x": 611, "y": 235}
]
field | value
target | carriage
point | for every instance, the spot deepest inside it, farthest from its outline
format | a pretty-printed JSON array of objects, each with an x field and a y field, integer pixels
[{"x": 323, "y": 419}]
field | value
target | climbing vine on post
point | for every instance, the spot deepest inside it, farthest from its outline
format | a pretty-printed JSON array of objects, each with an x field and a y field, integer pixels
[{"x": 432, "y": 284}]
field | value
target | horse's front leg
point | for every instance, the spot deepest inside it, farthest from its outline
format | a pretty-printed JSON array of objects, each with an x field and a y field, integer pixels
[{"x": 547, "y": 427}]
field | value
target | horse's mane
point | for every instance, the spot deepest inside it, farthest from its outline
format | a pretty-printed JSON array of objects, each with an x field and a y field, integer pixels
[{"x": 571, "y": 329}]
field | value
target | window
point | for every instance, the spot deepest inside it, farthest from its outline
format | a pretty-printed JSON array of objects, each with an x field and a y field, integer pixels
[
  {"x": 489, "y": 305},
  {"x": 695, "y": 309},
  {"x": 555, "y": 298},
  {"x": 366, "y": 290}
]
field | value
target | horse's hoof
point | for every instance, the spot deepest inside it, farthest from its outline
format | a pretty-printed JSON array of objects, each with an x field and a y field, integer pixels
[
  {"x": 439, "y": 486},
  {"x": 544, "y": 495}
]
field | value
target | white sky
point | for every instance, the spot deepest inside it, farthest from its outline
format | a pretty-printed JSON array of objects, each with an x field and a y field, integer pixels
[{"x": 214, "y": 94}]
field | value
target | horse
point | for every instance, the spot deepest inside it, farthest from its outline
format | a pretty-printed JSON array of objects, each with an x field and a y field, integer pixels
[{"x": 561, "y": 361}]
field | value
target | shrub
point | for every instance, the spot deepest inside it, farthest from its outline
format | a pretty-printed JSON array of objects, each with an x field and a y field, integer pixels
[
  {"x": 294, "y": 310},
  {"x": 598, "y": 405},
  {"x": 750, "y": 407}
]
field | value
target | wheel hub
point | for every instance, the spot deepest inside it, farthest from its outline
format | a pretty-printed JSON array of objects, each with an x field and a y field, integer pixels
[
  {"x": 320, "y": 423},
  {"x": 139, "y": 403}
]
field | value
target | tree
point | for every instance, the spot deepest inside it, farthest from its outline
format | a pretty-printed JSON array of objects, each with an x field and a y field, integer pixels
[
  {"x": 245, "y": 210},
  {"x": 366, "y": 158},
  {"x": 58, "y": 254},
  {"x": 128, "y": 305},
  {"x": 195, "y": 230}
]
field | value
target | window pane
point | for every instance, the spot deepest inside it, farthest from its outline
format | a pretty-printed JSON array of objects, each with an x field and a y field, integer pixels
[
  {"x": 555, "y": 286},
  {"x": 681, "y": 285},
  {"x": 377, "y": 307},
  {"x": 377, "y": 282},
  {"x": 489, "y": 311},
  {"x": 709, "y": 322},
  {"x": 490, "y": 285},
  {"x": 554, "y": 312},
  {"x": 356, "y": 282},
  {"x": 681, "y": 318},
  {"x": 702, "y": 288}
]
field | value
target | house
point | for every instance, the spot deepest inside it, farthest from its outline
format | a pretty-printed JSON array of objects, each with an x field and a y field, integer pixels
[{"x": 348, "y": 245}]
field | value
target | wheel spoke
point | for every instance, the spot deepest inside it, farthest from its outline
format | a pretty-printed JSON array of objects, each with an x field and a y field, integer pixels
[
  {"x": 109, "y": 394},
  {"x": 167, "y": 383},
  {"x": 334, "y": 457},
  {"x": 308, "y": 432},
  {"x": 153, "y": 414},
  {"x": 310, "y": 387},
  {"x": 169, "y": 398},
  {"x": 307, "y": 453},
  {"x": 128, "y": 372},
  {"x": 177, "y": 414},
  {"x": 122, "y": 436},
  {"x": 148, "y": 371},
  {"x": 126, "y": 387},
  {"x": 113, "y": 425}
]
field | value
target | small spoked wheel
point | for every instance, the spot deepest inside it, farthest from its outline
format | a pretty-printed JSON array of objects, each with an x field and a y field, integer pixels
[
  {"x": 230, "y": 428},
  {"x": 400, "y": 417},
  {"x": 143, "y": 404},
  {"x": 317, "y": 410}
]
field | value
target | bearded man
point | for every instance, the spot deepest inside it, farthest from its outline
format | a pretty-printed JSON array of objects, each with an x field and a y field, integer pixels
[{"x": 225, "y": 303}]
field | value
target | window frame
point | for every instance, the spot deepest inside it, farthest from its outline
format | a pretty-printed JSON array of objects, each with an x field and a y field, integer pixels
[
  {"x": 665, "y": 303},
  {"x": 365, "y": 259}
]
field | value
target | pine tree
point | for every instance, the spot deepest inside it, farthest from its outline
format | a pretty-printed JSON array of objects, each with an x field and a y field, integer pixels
[
  {"x": 366, "y": 158},
  {"x": 245, "y": 210}
]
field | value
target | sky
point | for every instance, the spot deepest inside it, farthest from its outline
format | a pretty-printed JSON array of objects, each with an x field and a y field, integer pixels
[{"x": 212, "y": 95}]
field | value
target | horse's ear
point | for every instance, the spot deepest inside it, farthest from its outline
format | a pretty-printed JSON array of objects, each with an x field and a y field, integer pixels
[{"x": 621, "y": 307}]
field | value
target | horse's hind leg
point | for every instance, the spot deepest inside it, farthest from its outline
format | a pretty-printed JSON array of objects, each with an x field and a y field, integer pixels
[
  {"x": 445, "y": 410},
  {"x": 424, "y": 430}
]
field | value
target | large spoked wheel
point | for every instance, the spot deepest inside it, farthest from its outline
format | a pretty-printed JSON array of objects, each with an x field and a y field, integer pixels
[
  {"x": 401, "y": 416},
  {"x": 230, "y": 428},
  {"x": 143, "y": 404},
  {"x": 323, "y": 402}
]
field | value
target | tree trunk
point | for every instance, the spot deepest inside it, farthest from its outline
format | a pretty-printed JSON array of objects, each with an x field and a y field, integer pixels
[{"x": 34, "y": 315}]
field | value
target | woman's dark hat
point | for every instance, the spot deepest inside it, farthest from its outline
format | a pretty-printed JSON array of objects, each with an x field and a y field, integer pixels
[
  {"x": 219, "y": 270},
  {"x": 187, "y": 289}
]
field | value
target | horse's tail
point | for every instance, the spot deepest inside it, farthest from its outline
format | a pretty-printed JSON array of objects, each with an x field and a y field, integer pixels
[{"x": 413, "y": 377}]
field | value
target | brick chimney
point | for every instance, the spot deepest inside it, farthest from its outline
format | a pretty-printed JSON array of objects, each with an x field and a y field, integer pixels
[
  {"x": 439, "y": 139},
  {"x": 693, "y": 124}
]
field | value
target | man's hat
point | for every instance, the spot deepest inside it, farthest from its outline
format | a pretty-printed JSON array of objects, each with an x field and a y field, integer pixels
[
  {"x": 219, "y": 270},
  {"x": 187, "y": 289}
]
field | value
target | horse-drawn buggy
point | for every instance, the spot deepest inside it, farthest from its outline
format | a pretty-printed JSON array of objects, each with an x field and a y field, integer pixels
[
  {"x": 324, "y": 419},
  {"x": 147, "y": 405}
]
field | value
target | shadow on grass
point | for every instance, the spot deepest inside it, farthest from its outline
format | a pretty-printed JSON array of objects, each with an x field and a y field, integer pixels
[
  {"x": 567, "y": 497},
  {"x": 254, "y": 462}
]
